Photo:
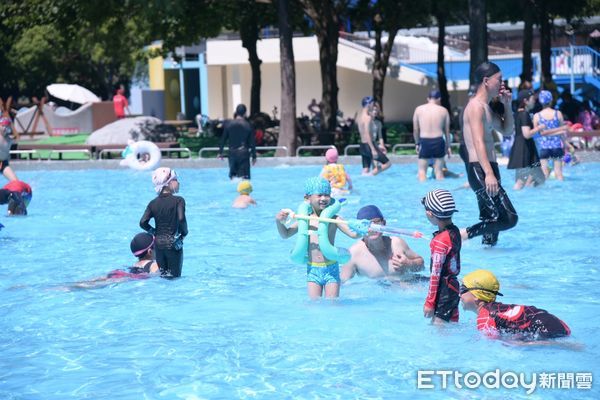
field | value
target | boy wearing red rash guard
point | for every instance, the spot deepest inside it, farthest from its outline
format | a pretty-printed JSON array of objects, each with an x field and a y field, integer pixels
[
  {"x": 478, "y": 294},
  {"x": 442, "y": 299}
]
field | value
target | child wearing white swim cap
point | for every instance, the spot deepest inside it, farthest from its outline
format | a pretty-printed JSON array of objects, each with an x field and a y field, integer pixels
[{"x": 170, "y": 224}]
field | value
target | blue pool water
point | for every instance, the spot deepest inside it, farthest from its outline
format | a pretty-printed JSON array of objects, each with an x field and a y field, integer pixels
[{"x": 238, "y": 323}]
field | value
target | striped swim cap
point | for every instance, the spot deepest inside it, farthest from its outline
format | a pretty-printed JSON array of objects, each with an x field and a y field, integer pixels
[{"x": 440, "y": 202}]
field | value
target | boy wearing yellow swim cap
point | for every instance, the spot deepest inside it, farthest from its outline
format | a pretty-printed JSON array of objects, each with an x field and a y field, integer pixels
[
  {"x": 244, "y": 200},
  {"x": 478, "y": 294}
]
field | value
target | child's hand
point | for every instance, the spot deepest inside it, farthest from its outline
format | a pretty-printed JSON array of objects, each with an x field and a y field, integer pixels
[
  {"x": 428, "y": 312},
  {"x": 282, "y": 215}
]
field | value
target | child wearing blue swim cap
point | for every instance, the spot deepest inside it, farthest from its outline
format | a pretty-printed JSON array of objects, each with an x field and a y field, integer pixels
[{"x": 323, "y": 275}]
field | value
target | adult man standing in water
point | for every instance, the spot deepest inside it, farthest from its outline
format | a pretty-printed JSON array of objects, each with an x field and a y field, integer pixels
[
  {"x": 371, "y": 148},
  {"x": 431, "y": 122},
  {"x": 495, "y": 209},
  {"x": 242, "y": 145}
]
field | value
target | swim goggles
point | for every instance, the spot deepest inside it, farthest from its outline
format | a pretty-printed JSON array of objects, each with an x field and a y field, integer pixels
[
  {"x": 142, "y": 251},
  {"x": 464, "y": 289},
  {"x": 172, "y": 177}
]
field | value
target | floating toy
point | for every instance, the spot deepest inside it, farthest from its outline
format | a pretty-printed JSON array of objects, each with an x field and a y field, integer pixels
[
  {"x": 142, "y": 155},
  {"x": 300, "y": 252},
  {"x": 360, "y": 226}
]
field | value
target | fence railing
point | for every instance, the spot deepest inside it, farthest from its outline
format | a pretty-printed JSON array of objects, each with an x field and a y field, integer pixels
[
  {"x": 258, "y": 148},
  {"x": 314, "y": 147},
  {"x": 578, "y": 60}
]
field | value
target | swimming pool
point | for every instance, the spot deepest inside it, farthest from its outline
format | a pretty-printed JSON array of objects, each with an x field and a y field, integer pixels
[{"x": 238, "y": 323}]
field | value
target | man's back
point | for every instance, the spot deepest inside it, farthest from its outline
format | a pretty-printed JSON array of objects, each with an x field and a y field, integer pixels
[
  {"x": 432, "y": 120},
  {"x": 239, "y": 132}
]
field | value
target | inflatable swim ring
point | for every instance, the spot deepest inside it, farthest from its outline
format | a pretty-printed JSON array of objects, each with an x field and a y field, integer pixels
[
  {"x": 300, "y": 252},
  {"x": 142, "y": 155}
]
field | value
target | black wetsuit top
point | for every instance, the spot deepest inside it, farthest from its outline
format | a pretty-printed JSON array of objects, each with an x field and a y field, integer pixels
[
  {"x": 141, "y": 270},
  {"x": 240, "y": 134},
  {"x": 168, "y": 212}
]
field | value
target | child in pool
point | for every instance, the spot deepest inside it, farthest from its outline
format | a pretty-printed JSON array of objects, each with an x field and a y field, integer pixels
[
  {"x": 244, "y": 200},
  {"x": 335, "y": 173},
  {"x": 142, "y": 247},
  {"x": 478, "y": 294},
  {"x": 170, "y": 228},
  {"x": 442, "y": 299},
  {"x": 323, "y": 275}
]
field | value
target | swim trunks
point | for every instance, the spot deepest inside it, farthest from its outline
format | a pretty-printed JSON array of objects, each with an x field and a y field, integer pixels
[
  {"x": 3, "y": 165},
  {"x": 557, "y": 153},
  {"x": 448, "y": 299},
  {"x": 367, "y": 156},
  {"x": 432, "y": 148},
  {"x": 323, "y": 273}
]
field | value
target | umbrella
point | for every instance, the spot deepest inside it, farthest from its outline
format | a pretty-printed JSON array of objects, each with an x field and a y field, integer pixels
[{"x": 73, "y": 93}]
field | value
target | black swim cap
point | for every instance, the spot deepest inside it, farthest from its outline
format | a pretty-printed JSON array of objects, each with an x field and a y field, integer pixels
[
  {"x": 141, "y": 243},
  {"x": 485, "y": 70}
]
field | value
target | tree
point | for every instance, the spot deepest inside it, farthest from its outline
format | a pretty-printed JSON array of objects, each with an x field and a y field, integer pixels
[
  {"x": 388, "y": 16},
  {"x": 441, "y": 10},
  {"x": 248, "y": 17},
  {"x": 325, "y": 15},
  {"x": 287, "y": 126},
  {"x": 477, "y": 34}
]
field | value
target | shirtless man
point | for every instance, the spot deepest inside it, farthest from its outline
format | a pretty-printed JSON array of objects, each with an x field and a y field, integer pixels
[
  {"x": 495, "y": 209},
  {"x": 431, "y": 122},
  {"x": 377, "y": 256},
  {"x": 370, "y": 149}
]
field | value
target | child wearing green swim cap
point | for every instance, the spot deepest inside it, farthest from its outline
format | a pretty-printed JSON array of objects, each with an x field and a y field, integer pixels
[{"x": 323, "y": 274}]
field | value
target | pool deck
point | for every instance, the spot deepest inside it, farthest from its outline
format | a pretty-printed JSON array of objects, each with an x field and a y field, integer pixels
[{"x": 57, "y": 165}]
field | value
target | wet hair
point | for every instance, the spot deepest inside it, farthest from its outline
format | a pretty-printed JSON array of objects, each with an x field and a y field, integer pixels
[
  {"x": 240, "y": 110},
  {"x": 485, "y": 70}
]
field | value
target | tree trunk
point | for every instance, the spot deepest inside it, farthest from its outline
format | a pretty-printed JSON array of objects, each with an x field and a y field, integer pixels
[
  {"x": 287, "y": 124},
  {"x": 249, "y": 36},
  {"x": 381, "y": 63},
  {"x": 545, "y": 44},
  {"x": 441, "y": 71},
  {"x": 325, "y": 18},
  {"x": 477, "y": 34},
  {"x": 527, "y": 66}
]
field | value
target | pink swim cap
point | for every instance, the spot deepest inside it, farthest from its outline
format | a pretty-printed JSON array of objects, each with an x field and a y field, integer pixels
[{"x": 331, "y": 155}]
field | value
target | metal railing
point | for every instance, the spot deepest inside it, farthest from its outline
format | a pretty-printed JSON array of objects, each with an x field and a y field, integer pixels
[
  {"x": 179, "y": 150},
  {"x": 315, "y": 147},
  {"x": 28, "y": 152},
  {"x": 258, "y": 148},
  {"x": 577, "y": 60},
  {"x": 60, "y": 152}
]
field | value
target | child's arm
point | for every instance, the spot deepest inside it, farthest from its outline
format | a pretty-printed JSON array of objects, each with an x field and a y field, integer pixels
[
  {"x": 438, "y": 256},
  {"x": 285, "y": 232},
  {"x": 347, "y": 231},
  {"x": 145, "y": 219},
  {"x": 349, "y": 181}
]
